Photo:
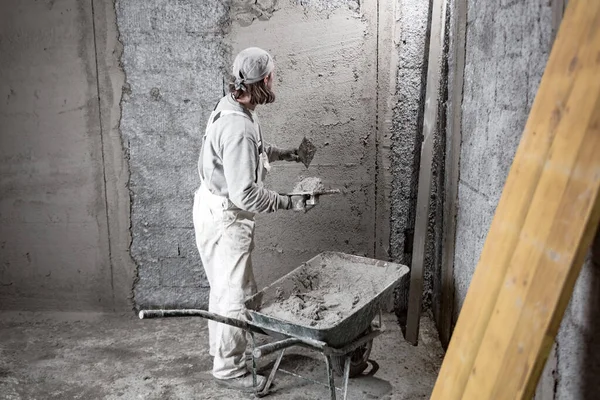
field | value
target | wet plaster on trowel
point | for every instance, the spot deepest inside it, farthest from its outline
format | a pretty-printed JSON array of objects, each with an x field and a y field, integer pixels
[
  {"x": 325, "y": 80},
  {"x": 309, "y": 185}
]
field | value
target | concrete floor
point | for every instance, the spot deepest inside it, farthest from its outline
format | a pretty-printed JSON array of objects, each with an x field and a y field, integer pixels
[{"x": 74, "y": 356}]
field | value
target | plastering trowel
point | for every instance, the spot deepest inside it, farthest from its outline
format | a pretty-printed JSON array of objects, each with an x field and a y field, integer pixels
[
  {"x": 306, "y": 152},
  {"x": 313, "y": 197},
  {"x": 312, "y": 193}
]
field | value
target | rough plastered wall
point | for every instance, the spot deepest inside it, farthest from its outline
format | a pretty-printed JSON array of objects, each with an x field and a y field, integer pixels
[
  {"x": 577, "y": 362},
  {"x": 507, "y": 47},
  {"x": 410, "y": 44},
  {"x": 176, "y": 57},
  {"x": 61, "y": 164},
  {"x": 173, "y": 56},
  {"x": 325, "y": 56},
  {"x": 508, "y": 44}
]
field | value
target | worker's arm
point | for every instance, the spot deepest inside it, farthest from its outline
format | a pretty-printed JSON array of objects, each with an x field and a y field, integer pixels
[{"x": 240, "y": 166}]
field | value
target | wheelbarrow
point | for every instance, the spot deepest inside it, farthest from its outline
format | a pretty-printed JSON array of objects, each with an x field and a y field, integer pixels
[{"x": 345, "y": 342}]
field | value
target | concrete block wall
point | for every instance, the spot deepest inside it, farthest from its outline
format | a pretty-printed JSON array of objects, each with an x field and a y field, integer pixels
[
  {"x": 507, "y": 47},
  {"x": 410, "y": 45},
  {"x": 508, "y": 44},
  {"x": 174, "y": 55},
  {"x": 63, "y": 202},
  {"x": 176, "y": 58},
  {"x": 138, "y": 80}
]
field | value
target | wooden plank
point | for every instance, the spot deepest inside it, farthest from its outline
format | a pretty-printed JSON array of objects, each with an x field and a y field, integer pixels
[
  {"x": 555, "y": 89},
  {"x": 547, "y": 383},
  {"x": 557, "y": 233},
  {"x": 452, "y": 171},
  {"x": 430, "y": 119}
]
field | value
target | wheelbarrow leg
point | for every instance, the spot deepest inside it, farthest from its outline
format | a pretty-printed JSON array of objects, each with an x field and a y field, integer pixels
[
  {"x": 254, "y": 378},
  {"x": 269, "y": 382},
  {"x": 330, "y": 377},
  {"x": 347, "y": 375}
]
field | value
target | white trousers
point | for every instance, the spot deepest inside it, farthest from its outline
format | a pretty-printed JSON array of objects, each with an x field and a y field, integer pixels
[{"x": 225, "y": 240}]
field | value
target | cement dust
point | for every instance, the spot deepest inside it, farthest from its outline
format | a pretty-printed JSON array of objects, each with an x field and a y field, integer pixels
[{"x": 323, "y": 295}]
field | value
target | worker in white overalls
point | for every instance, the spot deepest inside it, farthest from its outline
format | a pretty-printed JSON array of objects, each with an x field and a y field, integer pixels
[{"x": 233, "y": 162}]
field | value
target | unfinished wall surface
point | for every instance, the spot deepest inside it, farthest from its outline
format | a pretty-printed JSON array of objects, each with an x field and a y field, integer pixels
[
  {"x": 56, "y": 147},
  {"x": 412, "y": 18},
  {"x": 325, "y": 57},
  {"x": 508, "y": 44},
  {"x": 410, "y": 65},
  {"x": 177, "y": 57},
  {"x": 578, "y": 349},
  {"x": 507, "y": 47},
  {"x": 173, "y": 57}
]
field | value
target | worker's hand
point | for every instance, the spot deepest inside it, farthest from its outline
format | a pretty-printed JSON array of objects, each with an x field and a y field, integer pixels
[
  {"x": 299, "y": 203},
  {"x": 289, "y": 155}
]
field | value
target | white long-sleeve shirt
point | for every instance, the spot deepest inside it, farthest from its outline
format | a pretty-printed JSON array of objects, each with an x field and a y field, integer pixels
[{"x": 229, "y": 160}]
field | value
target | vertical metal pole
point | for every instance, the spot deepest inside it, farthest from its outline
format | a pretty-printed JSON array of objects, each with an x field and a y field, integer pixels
[
  {"x": 254, "y": 378},
  {"x": 347, "y": 375},
  {"x": 330, "y": 377},
  {"x": 273, "y": 372}
]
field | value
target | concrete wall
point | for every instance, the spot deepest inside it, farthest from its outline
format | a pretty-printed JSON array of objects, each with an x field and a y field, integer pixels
[
  {"x": 61, "y": 182},
  {"x": 507, "y": 48},
  {"x": 97, "y": 202},
  {"x": 577, "y": 356},
  {"x": 173, "y": 57},
  {"x": 410, "y": 68},
  {"x": 176, "y": 57},
  {"x": 508, "y": 44}
]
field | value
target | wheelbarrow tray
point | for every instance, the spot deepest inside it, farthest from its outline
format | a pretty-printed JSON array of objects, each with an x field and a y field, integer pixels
[{"x": 382, "y": 276}]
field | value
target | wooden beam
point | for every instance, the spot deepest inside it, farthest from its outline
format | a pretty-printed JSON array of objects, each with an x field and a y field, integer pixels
[
  {"x": 568, "y": 100},
  {"x": 452, "y": 170},
  {"x": 430, "y": 119},
  {"x": 547, "y": 382},
  {"x": 558, "y": 231}
]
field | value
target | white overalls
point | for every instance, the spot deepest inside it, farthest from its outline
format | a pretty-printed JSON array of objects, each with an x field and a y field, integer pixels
[{"x": 225, "y": 240}]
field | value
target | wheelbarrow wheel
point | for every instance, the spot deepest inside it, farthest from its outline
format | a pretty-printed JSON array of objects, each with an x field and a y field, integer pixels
[{"x": 358, "y": 360}]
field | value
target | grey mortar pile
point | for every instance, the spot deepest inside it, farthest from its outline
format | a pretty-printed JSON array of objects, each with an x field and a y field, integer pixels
[{"x": 325, "y": 294}]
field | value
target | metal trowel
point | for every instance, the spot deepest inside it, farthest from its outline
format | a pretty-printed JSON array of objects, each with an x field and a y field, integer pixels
[{"x": 306, "y": 152}]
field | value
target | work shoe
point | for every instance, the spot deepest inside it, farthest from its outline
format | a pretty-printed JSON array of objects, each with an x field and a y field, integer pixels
[{"x": 244, "y": 383}]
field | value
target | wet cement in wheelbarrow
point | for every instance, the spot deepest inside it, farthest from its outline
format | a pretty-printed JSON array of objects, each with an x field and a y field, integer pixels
[{"x": 325, "y": 294}]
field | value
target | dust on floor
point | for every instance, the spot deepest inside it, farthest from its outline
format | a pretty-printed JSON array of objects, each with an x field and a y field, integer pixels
[{"x": 107, "y": 356}]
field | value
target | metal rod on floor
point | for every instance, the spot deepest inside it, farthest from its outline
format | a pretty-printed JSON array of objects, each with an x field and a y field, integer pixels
[{"x": 265, "y": 391}]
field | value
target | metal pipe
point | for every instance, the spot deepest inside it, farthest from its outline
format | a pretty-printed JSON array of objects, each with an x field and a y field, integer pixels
[
  {"x": 265, "y": 391},
  {"x": 264, "y": 350},
  {"x": 238, "y": 323},
  {"x": 347, "y": 365},
  {"x": 330, "y": 377}
]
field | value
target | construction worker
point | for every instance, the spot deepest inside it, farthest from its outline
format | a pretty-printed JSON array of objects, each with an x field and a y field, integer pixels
[{"x": 233, "y": 162}]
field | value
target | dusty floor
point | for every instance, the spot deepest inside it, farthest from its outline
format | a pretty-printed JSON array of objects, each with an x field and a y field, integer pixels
[{"x": 119, "y": 357}]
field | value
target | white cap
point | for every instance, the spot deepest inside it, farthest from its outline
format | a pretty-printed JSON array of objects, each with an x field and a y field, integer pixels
[{"x": 250, "y": 66}]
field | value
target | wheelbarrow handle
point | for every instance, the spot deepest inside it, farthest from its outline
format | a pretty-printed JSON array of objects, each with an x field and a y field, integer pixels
[
  {"x": 143, "y": 314},
  {"x": 267, "y": 349}
]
